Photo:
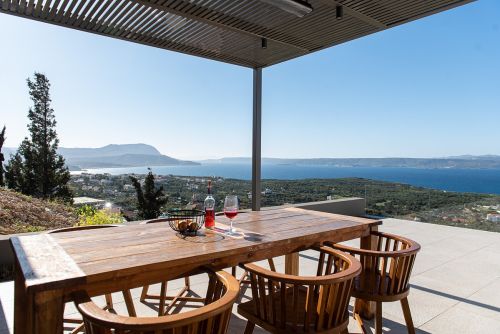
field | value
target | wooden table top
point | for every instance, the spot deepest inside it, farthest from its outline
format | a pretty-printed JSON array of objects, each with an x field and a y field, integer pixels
[{"x": 132, "y": 253}]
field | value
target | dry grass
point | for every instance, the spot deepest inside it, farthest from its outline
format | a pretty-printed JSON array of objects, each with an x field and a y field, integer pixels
[{"x": 20, "y": 213}]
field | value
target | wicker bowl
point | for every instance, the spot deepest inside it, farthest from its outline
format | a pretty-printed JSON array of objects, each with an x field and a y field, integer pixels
[{"x": 186, "y": 221}]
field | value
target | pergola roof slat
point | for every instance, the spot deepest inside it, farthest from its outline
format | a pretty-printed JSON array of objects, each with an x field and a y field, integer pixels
[
  {"x": 30, "y": 7},
  {"x": 38, "y": 8},
  {"x": 100, "y": 14},
  {"x": 22, "y": 6},
  {"x": 46, "y": 8},
  {"x": 227, "y": 30}
]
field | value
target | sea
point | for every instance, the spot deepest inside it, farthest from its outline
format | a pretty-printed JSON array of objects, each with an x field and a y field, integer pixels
[{"x": 449, "y": 179}]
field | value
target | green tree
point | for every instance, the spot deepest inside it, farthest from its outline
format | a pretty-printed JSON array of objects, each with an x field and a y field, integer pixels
[
  {"x": 150, "y": 198},
  {"x": 2, "y": 158},
  {"x": 36, "y": 169},
  {"x": 20, "y": 175}
]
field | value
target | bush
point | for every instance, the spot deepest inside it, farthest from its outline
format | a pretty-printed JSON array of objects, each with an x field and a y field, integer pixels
[
  {"x": 86, "y": 210},
  {"x": 88, "y": 215}
]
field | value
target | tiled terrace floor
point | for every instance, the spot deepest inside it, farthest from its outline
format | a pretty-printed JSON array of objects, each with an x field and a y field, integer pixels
[{"x": 455, "y": 284}]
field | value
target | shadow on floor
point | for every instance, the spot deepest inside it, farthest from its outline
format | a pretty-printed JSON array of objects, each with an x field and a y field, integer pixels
[
  {"x": 459, "y": 299},
  {"x": 389, "y": 327},
  {"x": 237, "y": 326},
  {"x": 3, "y": 320}
]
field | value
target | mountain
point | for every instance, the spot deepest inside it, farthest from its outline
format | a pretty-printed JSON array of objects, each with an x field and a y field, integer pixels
[
  {"x": 125, "y": 160},
  {"x": 126, "y": 155},
  {"x": 466, "y": 162},
  {"x": 108, "y": 151}
]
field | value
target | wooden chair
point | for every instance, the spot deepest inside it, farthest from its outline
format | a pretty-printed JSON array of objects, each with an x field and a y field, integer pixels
[
  {"x": 127, "y": 296},
  {"x": 310, "y": 304},
  {"x": 244, "y": 279},
  {"x": 385, "y": 276},
  {"x": 163, "y": 307},
  {"x": 213, "y": 317}
]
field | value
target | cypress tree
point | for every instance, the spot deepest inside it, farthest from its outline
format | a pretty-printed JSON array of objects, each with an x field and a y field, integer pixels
[
  {"x": 36, "y": 169},
  {"x": 2, "y": 158},
  {"x": 151, "y": 198}
]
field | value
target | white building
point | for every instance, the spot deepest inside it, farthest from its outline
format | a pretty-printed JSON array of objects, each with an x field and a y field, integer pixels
[
  {"x": 128, "y": 187},
  {"x": 95, "y": 202},
  {"x": 493, "y": 217}
]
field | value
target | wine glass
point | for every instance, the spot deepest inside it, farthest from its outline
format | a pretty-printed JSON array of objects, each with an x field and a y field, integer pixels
[{"x": 231, "y": 210}]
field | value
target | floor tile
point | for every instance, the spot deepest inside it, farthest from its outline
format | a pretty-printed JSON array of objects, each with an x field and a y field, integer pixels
[{"x": 459, "y": 320}]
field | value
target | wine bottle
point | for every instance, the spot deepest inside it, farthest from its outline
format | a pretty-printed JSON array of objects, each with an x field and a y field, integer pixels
[{"x": 209, "y": 206}]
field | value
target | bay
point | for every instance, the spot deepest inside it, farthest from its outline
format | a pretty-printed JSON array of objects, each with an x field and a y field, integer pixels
[{"x": 449, "y": 179}]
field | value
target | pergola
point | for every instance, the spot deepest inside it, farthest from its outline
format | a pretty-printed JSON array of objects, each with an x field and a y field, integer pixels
[{"x": 249, "y": 33}]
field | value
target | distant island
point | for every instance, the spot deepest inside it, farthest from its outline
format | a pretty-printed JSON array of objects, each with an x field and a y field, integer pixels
[
  {"x": 465, "y": 161},
  {"x": 115, "y": 155}
]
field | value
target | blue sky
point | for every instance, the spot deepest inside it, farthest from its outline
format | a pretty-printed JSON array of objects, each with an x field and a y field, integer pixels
[{"x": 425, "y": 89}]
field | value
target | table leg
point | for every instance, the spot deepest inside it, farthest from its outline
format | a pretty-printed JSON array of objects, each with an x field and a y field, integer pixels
[
  {"x": 292, "y": 264},
  {"x": 40, "y": 313},
  {"x": 22, "y": 307},
  {"x": 366, "y": 308},
  {"x": 49, "y": 312}
]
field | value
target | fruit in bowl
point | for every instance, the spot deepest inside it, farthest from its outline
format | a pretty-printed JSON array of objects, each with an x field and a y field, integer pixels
[{"x": 186, "y": 221}]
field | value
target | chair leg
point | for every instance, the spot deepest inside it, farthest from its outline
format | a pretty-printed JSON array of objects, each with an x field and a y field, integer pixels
[
  {"x": 272, "y": 267},
  {"x": 78, "y": 329},
  {"x": 163, "y": 297},
  {"x": 144, "y": 293},
  {"x": 249, "y": 327},
  {"x": 163, "y": 291},
  {"x": 360, "y": 323},
  {"x": 109, "y": 302},
  {"x": 406, "y": 312},
  {"x": 242, "y": 279},
  {"x": 127, "y": 296},
  {"x": 378, "y": 318}
]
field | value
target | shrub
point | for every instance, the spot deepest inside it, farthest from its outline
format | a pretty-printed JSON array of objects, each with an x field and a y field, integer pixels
[
  {"x": 86, "y": 210},
  {"x": 88, "y": 215}
]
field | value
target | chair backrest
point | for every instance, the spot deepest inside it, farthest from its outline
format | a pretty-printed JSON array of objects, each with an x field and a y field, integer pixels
[
  {"x": 386, "y": 270},
  {"x": 277, "y": 296},
  {"x": 214, "y": 317},
  {"x": 81, "y": 228}
]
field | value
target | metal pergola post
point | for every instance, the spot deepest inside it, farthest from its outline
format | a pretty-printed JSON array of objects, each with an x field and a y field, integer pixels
[{"x": 256, "y": 138}]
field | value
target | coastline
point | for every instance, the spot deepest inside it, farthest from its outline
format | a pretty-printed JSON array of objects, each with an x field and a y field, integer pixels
[{"x": 485, "y": 181}]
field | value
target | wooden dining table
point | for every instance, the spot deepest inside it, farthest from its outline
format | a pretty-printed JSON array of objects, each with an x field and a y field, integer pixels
[{"x": 50, "y": 268}]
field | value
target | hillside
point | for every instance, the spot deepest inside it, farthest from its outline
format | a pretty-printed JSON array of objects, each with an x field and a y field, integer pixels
[
  {"x": 123, "y": 155},
  {"x": 108, "y": 151},
  {"x": 20, "y": 213},
  {"x": 125, "y": 160},
  {"x": 387, "y": 199}
]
